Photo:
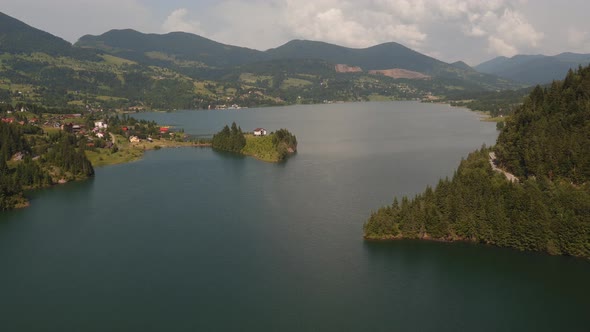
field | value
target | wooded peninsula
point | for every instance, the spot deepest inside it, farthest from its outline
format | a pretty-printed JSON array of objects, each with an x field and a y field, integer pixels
[{"x": 547, "y": 146}]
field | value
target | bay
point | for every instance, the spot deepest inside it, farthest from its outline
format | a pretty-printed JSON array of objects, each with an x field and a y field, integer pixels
[{"x": 195, "y": 240}]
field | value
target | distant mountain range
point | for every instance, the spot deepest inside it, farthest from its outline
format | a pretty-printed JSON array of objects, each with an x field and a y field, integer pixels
[
  {"x": 180, "y": 46},
  {"x": 184, "y": 51},
  {"x": 127, "y": 68},
  {"x": 533, "y": 69}
]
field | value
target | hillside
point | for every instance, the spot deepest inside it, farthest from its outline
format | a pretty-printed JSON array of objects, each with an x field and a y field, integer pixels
[
  {"x": 58, "y": 157},
  {"x": 201, "y": 58},
  {"x": 383, "y": 56},
  {"x": 392, "y": 57},
  {"x": 18, "y": 37},
  {"x": 130, "y": 69},
  {"x": 533, "y": 69},
  {"x": 550, "y": 134},
  {"x": 461, "y": 65},
  {"x": 545, "y": 144},
  {"x": 179, "y": 48}
]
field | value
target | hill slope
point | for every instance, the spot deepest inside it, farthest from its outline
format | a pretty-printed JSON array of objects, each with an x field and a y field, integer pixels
[
  {"x": 383, "y": 56},
  {"x": 550, "y": 135},
  {"x": 126, "y": 68},
  {"x": 172, "y": 47},
  {"x": 18, "y": 37},
  {"x": 533, "y": 69},
  {"x": 546, "y": 144},
  {"x": 199, "y": 57}
]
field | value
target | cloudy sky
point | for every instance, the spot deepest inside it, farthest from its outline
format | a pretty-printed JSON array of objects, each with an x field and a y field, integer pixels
[{"x": 450, "y": 30}]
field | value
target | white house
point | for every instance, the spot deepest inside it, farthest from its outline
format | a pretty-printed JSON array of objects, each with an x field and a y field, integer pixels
[
  {"x": 100, "y": 125},
  {"x": 100, "y": 135},
  {"x": 259, "y": 132}
]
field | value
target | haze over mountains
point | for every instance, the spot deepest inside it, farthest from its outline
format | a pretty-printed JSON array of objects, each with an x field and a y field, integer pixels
[{"x": 533, "y": 69}]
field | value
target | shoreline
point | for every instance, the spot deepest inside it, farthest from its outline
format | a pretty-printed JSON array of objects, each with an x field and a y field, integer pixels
[{"x": 130, "y": 152}]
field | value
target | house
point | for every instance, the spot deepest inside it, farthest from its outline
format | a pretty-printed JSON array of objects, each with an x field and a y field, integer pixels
[
  {"x": 100, "y": 135},
  {"x": 68, "y": 127},
  {"x": 259, "y": 132},
  {"x": 100, "y": 125},
  {"x": 164, "y": 130},
  {"x": 134, "y": 139}
]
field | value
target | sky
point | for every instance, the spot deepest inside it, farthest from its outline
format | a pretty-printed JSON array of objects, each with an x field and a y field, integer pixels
[{"x": 450, "y": 30}]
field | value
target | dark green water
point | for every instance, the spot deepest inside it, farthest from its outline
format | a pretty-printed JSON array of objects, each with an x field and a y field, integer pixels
[{"x": 195, "y": 240}]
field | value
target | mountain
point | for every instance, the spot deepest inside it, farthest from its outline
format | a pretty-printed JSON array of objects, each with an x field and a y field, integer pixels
[
  {"x": 383, "y": 56},
  {"x": 461, "y": 65},
  {"x": 533, "y": 69},
  {"x": 18, "y": 37},
  {"x": 202, "y": 58},
  {"x": 181, "y": 46},
  {"x": 175, "y": 47},
  {"x": 127, "y": 68},
  {"x": 546, "y": 145}
]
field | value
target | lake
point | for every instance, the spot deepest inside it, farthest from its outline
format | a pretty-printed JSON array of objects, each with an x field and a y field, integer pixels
[{"x": 191, "y": 239}]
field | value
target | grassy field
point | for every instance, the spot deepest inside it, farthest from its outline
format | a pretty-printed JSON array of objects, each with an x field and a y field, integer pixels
[
  {"x": 261, "y": 148},
  {"x": 294, "y": 83},
  {"x": 116, "y": 60},
  {"x": 104, "y": 157},
  {"x": 129, "y": 152},
  {"x": 201, "y": 89},
  {"x": 252, "y": 78}
]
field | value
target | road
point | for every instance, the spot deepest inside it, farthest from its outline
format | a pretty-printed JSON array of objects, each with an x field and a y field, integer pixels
[{"x": 509, "y": 176}]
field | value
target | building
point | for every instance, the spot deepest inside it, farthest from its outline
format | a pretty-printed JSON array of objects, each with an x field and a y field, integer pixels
[
  {"x": 259, "y": 132},
  {"x": 100, "y": 125},
  {"x": 134, "y": 139}
]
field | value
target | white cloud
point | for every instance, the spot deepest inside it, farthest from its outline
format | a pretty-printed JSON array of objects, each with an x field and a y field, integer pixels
[
  {"x": 471, "y": 30},
  {"x": 507, "y": 31},
  {"x": 347, "y": 23},
  {"x": 178, "y": 20},
  {"x": 578, "y": 40},
  {"x": 500, "y": 47}
]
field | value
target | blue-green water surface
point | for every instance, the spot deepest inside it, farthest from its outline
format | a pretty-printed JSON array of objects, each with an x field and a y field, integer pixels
[{"x": 190, "y": 239}]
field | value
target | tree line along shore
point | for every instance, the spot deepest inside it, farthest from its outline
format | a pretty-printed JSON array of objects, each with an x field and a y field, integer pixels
[
  {"x": 38, "y": 149},
  {"x": 546, "y": 145}
]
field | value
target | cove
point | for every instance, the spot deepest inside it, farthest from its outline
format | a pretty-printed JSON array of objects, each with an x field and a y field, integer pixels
[{"x": 190, "y": 239}]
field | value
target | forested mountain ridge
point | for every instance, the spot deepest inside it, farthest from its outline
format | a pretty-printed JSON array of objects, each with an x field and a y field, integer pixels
[
  {"x": 549, "y": 136},
  {"x": 183, "y": 52},
  {"x": 129, "y": 69},
  {"x": 18, "y": 37},
  {"x": 157, "y": 49},
  {"x": 533, "y": 69},
  {"x": 382, "y": 56},
  {"x": 546, "y": 143}
]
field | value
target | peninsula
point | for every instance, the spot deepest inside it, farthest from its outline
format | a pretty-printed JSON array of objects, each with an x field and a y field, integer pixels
[{"x": 530, "y": 192}]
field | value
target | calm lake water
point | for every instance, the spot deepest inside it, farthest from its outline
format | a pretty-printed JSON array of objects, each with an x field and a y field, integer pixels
[{"x": 195, "y": 240}]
